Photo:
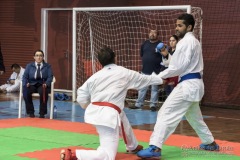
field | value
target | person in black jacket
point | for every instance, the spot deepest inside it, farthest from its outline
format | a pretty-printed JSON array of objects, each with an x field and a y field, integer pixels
[
  {"x": 2, "y": 67},
  {"x": 151, "y": 61}
]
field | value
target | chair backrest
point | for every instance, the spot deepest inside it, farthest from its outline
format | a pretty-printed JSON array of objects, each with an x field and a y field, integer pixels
[{"x": 54, "y": 79}]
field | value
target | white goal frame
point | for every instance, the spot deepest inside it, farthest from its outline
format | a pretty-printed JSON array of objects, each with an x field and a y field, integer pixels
[
  {"x": 74, "y": 45},
  {"x": 44, "y": 35}
]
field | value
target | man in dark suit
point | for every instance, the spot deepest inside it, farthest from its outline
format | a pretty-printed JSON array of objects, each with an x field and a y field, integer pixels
[
  {"x": 37, "y": 78},
  {"x": 2, "y": 67}
]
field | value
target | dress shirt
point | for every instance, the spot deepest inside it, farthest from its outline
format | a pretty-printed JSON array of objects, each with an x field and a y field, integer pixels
[{"x": 36, "y": 64}]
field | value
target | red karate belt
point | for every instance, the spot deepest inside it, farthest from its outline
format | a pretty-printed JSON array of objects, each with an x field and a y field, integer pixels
[{"x": 107, "y": 104}]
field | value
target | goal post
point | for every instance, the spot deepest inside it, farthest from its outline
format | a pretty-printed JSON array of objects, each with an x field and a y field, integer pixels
[{"x": 123, "y": 29}]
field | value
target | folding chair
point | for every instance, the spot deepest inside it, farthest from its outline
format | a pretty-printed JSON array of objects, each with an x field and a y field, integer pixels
[{"x": 51, "y": 95}]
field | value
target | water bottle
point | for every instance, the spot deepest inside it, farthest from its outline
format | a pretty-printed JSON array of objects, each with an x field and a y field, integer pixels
[{"x": 55, "y": 111}]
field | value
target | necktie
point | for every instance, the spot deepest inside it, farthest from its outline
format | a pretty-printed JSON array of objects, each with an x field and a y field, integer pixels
[{"x": 38, "y": 72}]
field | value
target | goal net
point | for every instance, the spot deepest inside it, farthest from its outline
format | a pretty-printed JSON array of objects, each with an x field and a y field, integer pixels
[{"x": 123, "y": 29}]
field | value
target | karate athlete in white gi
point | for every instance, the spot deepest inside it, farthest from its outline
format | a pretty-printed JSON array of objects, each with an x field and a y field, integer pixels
[
  {"x": 13, "y": 83},
  {"x": 103, "y": 96},
  {"x": 187, "y": 63}
]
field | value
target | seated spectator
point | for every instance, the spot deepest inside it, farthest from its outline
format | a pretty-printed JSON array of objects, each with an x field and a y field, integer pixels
[
  {"x": 37, "y": 78},
  {"x": 13, "y": 83}
]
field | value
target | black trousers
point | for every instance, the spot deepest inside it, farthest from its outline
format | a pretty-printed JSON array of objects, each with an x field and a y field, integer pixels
[{"x": 27, "y": 95}]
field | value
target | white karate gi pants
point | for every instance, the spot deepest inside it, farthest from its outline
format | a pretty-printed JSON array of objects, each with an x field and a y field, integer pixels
[
  {"x": 172, "y": 112},
  {"x": 10, "y": 87},
  {"x": 109, "y": 139}
]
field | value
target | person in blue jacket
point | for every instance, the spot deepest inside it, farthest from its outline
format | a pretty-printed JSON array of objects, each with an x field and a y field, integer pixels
[{"x": 37, "y": 78}]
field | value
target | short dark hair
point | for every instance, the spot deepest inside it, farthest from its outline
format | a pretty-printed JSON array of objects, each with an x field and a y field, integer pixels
[
  {"x": 15, "y": 65},
  {"x": 155, "y": 30},
  {"x": 175, "y": 37},
  {"x": 188, "y": 19},
  {"x": 39, "y": 50},
  {"x": 106, "y": 56}
]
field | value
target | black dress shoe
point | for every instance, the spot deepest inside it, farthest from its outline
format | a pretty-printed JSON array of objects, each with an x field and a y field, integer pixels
[
  {"x": 41, "y": 116},
  {"x": 153, "y": 109},
  {"x": 134, "y": 107},
  {"x": 31, "y": 115}
]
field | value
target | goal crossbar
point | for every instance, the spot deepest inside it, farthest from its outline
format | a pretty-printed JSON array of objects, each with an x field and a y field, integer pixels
[{"x": 137, "y": 8}]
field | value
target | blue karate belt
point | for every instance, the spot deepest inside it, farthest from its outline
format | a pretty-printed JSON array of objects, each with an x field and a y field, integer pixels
[{"x": 190, "y": 76}]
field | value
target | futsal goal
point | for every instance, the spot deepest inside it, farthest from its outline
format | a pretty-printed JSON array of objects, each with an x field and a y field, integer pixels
[{"x": 123, "y": 29}]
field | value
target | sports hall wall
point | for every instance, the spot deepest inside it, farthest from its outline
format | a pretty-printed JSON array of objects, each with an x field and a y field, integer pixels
[{"x": 20, "y": 29}]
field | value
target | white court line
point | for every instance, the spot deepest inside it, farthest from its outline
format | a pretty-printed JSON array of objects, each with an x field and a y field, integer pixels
[
  {"x": 228, "y": 118},
  {"x": 204, "y": 116}
]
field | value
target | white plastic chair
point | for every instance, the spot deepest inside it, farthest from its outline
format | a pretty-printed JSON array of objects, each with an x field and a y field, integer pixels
[{"x": 51, "y": 95}]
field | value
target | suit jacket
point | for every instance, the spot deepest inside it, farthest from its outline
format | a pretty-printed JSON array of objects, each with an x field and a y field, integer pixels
[
  {"x": 2, "y": 67},
  {"x": 29, "y": 74}
]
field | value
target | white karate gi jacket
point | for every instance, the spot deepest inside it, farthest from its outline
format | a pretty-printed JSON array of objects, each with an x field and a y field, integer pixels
[
  {"x": 187, "y": 58},
  {"x": 165, "y": 61},
  {"x": 16, "y": 86},
  {"x": 111, "y": 84}
]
